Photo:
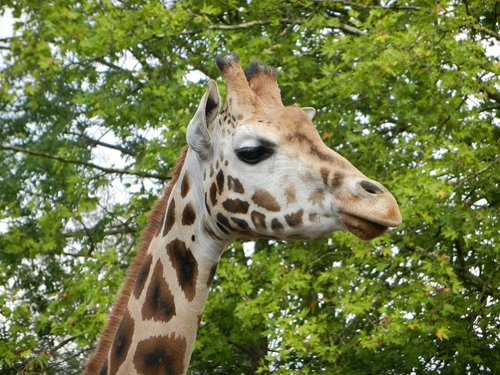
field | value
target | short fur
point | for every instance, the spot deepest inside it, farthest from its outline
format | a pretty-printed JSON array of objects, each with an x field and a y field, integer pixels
[
  {"x": 155, "y": 218},
  {"x": 257, "y": 68}
]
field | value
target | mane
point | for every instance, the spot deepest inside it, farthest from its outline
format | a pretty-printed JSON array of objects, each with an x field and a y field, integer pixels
[{"x": 97, "y": 359}]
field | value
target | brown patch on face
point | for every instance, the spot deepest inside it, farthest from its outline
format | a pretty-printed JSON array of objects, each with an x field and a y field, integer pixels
[
  {"x": 211, "y": 171},
  {"x": 159, "y": 304},
  {"x": 236, "y": 206},
  {"x": 337, "y": 180},
  {"x": 299, "y": 137},
  {"x": 235, "y": 185},
  {"x": 240, "y": 116},
  {"x": 160, "y": 355},
  {"x": 213, "y": 194},
  {"x": 290, "y": 195},
  {"x": 185, "y": 265},
  {"x": 241, "y": 223},
  {"x": 259, "y": 220},
  {"x": 170, "y": 220},
  {"x": 188, "y": 215},
  {"x": 317, "y": 196},
  {"x": 122, "y": 342},
  {"x": 313, "y": 218},
  {"x": 265, "y": 200},
  {"x": 276, "y": 225},
  {"x": 211, "y": 275},
  {"x": 324, "y": 175},
  {"x": 295, "y": 219},
  {"x": 315, "y": 151},
  {"x": 220, "y": 181},
  {"x": 142, "y": 276},
  {"x": 185, "y": 185}
]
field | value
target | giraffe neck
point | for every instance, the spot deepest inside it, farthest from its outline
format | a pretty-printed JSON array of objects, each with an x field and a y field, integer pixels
[{"x": 159, "y": 325}]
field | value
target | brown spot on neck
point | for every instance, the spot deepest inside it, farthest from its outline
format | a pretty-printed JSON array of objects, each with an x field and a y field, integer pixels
[
  {"x": 122, "y": 342},
  {"x": 170, "y": 218},
  {"x": 188, "y": 215},
  {"x": 185, "y": 265},
  {"x": 185, "y": 185},
  {"x": 160, "y": 355},
  {"x": 142, "y": 276},
  {"x": 159, "y": 304}
]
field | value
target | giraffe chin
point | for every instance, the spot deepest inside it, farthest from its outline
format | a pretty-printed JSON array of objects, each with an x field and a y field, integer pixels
[{"x": 362, "y": 228}]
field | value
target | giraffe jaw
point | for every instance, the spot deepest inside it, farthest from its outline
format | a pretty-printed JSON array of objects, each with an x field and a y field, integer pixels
[{"x": 361, "y": 227}]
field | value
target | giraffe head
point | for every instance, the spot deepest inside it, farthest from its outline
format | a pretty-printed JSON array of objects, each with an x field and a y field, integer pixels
[{"x": 267, "y": 172}]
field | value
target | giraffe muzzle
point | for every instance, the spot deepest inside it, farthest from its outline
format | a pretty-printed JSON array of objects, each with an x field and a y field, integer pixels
[{"x": 371, "y": 210}]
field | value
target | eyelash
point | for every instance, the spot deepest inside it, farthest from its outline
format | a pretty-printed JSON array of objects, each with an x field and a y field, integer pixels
[{"x": 254, "y": 155}]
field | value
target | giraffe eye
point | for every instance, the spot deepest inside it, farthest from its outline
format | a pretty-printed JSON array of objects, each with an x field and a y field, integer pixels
[{"x": 254, "y": 155}]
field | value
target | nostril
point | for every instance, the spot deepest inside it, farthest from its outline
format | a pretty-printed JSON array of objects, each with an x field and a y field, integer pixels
[{"x": 371, "y": 188}]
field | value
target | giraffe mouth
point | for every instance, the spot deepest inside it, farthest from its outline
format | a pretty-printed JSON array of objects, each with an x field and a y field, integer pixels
[{"x": 362, "y": 228}]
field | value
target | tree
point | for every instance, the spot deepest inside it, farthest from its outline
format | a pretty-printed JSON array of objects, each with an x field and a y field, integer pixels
[{"x": 408, "y": 91}]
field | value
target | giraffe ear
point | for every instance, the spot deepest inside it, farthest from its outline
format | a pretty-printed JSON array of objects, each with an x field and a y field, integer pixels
[
  {"x": 310, "y": 112},
  {"x": 198, "y": 136}
]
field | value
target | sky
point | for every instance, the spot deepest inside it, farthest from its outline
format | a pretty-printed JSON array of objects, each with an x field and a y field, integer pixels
[{"x": 6, "y": 21}]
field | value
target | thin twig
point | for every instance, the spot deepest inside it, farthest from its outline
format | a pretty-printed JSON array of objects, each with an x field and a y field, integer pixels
[{"x": 157, "y": 176}]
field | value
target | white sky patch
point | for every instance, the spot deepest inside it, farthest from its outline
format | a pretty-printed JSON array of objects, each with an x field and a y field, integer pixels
[
  {"x": 6, "y": 24},
  {"x": 194, "y": 76},
  {"x": 249, "y": 248},
  {"x": 6, "y": 31}
]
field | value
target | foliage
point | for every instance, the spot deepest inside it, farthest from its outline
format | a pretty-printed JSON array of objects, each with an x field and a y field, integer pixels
[{"x": 94, "y": 102}]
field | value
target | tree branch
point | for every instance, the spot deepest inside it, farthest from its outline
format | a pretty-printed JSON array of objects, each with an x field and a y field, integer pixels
[
  {"x": 362, "y": 6},
  {"x": 241, "y": 26},
  {"x": 63, "y": 343},
  {"x": 85, "y": 163},
  {"x": 112, "y": 231},
  {"x": 97, "y": 142},
  {"x": 350, "y": 29},
  {"x": 484, "y": 30}
]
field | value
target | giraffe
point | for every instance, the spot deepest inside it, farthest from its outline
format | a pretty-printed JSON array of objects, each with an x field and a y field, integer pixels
[{"x": 253, "y": 169}]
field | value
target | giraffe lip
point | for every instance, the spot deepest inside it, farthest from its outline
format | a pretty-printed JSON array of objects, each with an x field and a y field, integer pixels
[{"x": 361, "y": 227}]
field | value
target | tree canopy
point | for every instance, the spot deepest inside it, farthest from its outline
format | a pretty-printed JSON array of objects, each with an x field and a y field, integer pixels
[{"x": 95, "y": 98}]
